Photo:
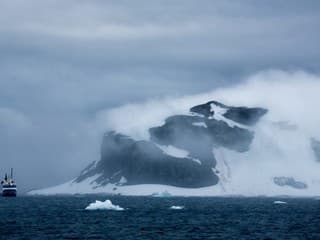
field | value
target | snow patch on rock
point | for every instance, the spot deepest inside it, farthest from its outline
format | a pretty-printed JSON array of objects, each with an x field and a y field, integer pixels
[
  {"x": 200, "y": 124},
  {"x": 196, "y": 160},
  {"x": 174, "y": 151},
  {"x": 218, "y": 113}
]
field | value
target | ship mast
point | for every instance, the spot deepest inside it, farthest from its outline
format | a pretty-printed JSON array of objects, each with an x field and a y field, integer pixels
[{"x": 11, "y": 173}]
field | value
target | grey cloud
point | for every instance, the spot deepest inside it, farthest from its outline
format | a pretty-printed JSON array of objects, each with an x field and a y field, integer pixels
[{"x": 61, "y": 62}]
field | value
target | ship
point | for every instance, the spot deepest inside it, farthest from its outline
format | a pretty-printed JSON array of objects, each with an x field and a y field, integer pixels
[{"x": 9, "y": 187}]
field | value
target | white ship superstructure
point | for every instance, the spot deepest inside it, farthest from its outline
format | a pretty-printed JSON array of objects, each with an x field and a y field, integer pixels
[{"x": 9, "y": 187}]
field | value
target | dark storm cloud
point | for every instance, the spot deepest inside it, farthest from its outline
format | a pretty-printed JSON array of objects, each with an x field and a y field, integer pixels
[{"x": 63, "y": 61}]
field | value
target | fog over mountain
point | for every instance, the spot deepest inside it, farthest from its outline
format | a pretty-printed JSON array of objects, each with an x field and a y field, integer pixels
[
  {"x": 268, "y": 146},
  {"x": 70, "y": 71}
]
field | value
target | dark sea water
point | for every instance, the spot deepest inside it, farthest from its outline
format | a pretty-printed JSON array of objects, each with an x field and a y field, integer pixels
[{"x": 150, "y": 218}]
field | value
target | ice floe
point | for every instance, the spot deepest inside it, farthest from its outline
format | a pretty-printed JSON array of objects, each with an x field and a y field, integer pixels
[
  {"x": 177, "y": 207},
  {"x": 106, "y": 205},
  {"x": 161, "y": 194},
  {"x": 279, "y": 202}
]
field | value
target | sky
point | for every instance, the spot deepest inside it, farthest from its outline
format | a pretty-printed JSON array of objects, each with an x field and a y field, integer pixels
[{"x": 62, "y": 63}]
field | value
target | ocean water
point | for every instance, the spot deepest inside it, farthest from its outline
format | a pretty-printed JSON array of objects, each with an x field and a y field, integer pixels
[{"x": 151, "y": 218}]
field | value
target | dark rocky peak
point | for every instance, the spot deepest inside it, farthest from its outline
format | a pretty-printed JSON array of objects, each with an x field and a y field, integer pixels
[
  {"x": 243, "y": 115},
  {"x": 206, "y": 110}
]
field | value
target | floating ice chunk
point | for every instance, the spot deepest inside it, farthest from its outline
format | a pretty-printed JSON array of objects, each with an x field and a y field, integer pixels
[
  {"x": 106, "y": 205},
  {"x": 161, "y": 194},
  {"x": 177, "y": 207},
  {"x": 123, "y": 180},
  {"x": 279, "y": 202}
]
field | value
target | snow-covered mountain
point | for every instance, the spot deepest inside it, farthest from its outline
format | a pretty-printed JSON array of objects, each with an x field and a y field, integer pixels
[
  {"x": 213, "y": 149},
  {"x": 175, "y": 146},
  {"x": 180, "y": 153}
]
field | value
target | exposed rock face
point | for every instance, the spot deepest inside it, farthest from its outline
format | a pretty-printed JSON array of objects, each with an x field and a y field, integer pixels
[
  {"x": 289, "y": 181},
  {"x": 243, "y": 115},
  {"x": 315, "y": 145},
  {"x": 182, "y": 132},
  {"x": 143, "y": 162},
  {"x": 127, "y": 161}
]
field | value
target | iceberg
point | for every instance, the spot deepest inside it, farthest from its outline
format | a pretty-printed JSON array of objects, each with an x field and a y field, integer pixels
[
  {"x": 279, "y": 202},
  {"x": 106, "y": 205},
  {"x": 177, "y": 207},
  {"x": 161, "y": 194}
]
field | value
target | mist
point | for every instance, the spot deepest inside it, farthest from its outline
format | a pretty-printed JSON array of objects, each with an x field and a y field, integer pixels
[
  {"x": 282, "y": 142},
  {"x": 289, "y": 97}
]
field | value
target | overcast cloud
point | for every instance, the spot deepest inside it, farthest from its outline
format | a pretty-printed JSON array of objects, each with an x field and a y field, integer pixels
[{"x": 63, "y": 62}]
